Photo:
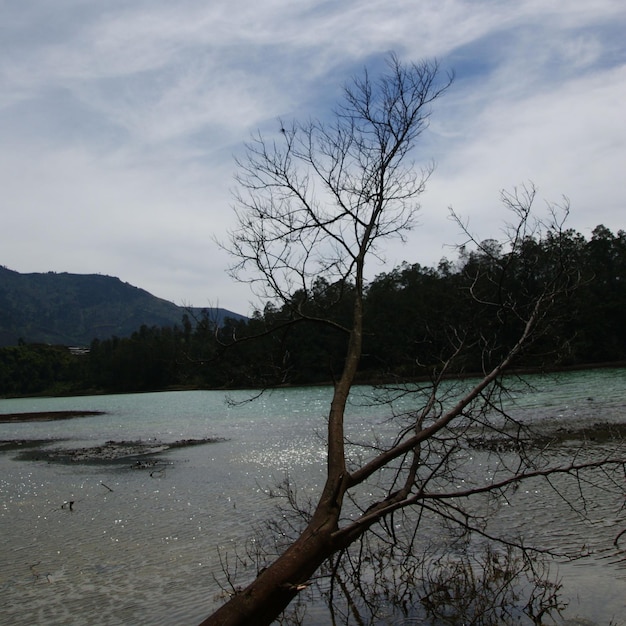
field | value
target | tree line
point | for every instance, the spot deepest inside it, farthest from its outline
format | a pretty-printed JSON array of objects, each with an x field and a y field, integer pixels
[{"x": 411, "y": 315}]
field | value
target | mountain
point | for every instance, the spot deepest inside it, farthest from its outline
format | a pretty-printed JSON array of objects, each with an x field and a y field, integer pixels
[{"x": 73, "y": 309}]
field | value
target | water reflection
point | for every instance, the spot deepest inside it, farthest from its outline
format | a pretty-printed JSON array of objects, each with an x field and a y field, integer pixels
[{"x": 137, "y": 548}]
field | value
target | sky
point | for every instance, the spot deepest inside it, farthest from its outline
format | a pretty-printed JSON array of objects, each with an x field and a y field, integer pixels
[{"x": 120, "y": 121}]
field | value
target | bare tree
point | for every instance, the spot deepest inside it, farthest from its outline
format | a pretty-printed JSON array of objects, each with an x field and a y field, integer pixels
[{"x": 319, "y": 200}]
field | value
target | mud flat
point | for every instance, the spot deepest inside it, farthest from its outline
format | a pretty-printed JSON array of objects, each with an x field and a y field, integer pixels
[
  {"x": 109, "y": 452},
  {"x": 45, "y": 416}
]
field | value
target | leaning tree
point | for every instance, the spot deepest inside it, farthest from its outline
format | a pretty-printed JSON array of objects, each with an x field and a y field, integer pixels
[{"x": 319, "y": 200}]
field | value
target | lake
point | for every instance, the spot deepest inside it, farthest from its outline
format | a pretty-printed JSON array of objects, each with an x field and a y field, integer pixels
[{"x": 143, "y": 547}]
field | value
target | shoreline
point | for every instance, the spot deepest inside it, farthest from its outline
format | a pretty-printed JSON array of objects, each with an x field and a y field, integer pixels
[{"x": 362, "y": 378}]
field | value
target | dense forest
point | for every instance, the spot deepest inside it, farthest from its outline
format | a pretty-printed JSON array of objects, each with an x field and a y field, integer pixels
[{"x": 416, "y": 318}]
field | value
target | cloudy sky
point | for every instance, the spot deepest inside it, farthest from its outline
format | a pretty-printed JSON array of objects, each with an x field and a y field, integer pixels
[{"x": 119, "y": 120}]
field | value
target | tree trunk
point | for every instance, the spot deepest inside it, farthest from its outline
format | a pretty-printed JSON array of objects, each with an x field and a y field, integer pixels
[{"x": 276, "y": 586}]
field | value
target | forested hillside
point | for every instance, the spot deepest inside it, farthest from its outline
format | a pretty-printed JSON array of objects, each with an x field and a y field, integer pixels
[
  {"x": 416, "y": 318},
  {"x": 74, "y": 309}
]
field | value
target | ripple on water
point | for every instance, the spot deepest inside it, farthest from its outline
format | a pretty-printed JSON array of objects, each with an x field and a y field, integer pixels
[{"x": 147, "y": 551}]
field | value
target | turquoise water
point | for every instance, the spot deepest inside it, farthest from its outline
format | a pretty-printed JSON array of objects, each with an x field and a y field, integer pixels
[{"x": 141, "y": 549}]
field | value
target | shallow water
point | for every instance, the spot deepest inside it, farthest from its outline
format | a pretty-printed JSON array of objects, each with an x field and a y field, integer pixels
[{"x": 142, "y": 549}]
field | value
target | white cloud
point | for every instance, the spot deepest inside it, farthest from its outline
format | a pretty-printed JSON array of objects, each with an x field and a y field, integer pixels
[{"x": 119, "y": 119}]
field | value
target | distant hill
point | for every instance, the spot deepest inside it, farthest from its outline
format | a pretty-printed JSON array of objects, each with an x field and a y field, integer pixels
[{"x": 73, "y": 309}]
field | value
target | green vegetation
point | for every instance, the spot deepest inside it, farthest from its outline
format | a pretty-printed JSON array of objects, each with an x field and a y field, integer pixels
[
  {"x": 72, "y": 309},
  {"x": 30, "y": 369},
  {"x": 410, "y": 316}
]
